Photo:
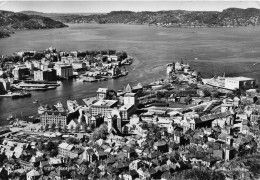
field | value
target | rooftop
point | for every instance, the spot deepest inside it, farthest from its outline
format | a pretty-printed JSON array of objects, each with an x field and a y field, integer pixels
[
  {"x": 102, "y": 90},
  {"x": 240, "y": 78},
  {"x": 105, "y": 103}
]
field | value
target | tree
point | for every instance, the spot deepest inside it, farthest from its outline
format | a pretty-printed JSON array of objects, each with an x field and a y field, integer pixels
[
  {"x": 215, "y": 94},
  {"x": 54, "y": 152},
  {"x": 71, "y": 128},
  {"x": 71, "y": 140},
  {"x": 84, "y": 127},
  {"x": 52, "y": 127},
  {"x": 46, "y": 127},
  {"x": 188, "y": 100},
  {"x": 206, "y": 92},
  {"x": 50, "y": 145},
  {"x": 77, "y": 128}
]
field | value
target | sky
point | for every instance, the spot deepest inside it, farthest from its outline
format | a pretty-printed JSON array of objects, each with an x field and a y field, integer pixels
[{"x": 98, "y": 6}]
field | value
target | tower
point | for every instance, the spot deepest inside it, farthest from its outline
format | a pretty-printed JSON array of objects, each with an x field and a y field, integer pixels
[
  {"x": 229, "y": 140},
  {"x": 109, "y": 122}
]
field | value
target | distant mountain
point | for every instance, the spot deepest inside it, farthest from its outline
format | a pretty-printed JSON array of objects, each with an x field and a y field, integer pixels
[
  {"x": 177, "y": 18},
  {"x": 10, "y": 21},
  {"x": 54, "y": 15}
]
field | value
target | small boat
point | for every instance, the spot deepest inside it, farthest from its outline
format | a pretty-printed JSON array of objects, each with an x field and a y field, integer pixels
[{"x": 35, "y": 101}]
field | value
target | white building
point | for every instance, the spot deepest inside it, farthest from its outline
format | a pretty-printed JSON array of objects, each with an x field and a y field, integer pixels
[
  {"x": 233, "y": 83},
  {"x": 130, "y": 98},
  {"x": 63, "y": 70}
]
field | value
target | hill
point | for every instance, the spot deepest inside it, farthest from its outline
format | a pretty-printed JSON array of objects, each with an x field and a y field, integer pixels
[
  {"x": 10, "y": 21},
  {"x": 176, "y": 18}
]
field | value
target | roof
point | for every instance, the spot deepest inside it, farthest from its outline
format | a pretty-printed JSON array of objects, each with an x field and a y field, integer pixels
[
  {"x": 105, "y": 103},
  {"x": 54, "y": 113},
  {"x": 102, "y": 90},
  {"x": 126, "y": 107},
  {"x": 33, "y": 172},
  {"x": 66, "y": 146},
  {"x": 241, "y": 78},
  {"x": 215, "y": 116},
  {"x": 130, "y": 94}
]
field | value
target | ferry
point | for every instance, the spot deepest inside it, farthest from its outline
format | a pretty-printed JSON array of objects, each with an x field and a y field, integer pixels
[
  {"x": 16, "y": 95},
  {"x": 36, "y": 87}
]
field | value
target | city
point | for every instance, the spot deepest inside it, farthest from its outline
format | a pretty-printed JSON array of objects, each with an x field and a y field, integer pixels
[
  {"x": 152, "y": 131},
  {"x": 129, "y": 90}
]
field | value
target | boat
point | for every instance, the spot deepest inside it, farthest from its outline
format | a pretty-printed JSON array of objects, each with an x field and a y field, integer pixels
[{"x": 35, "y": 101}]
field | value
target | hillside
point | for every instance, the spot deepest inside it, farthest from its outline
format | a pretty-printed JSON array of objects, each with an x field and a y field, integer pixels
[
  {"x": 176, "y": 18},
  {"x": 10, "y": 21}
]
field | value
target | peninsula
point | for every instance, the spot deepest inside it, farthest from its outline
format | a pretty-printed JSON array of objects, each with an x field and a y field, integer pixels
[{"x": 11, "y": 21}]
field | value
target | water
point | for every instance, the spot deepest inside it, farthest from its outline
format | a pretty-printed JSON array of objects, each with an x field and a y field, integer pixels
[{"x": 229, "y": 50}]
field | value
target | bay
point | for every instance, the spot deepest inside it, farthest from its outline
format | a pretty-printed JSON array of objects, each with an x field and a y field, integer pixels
[{"x": 211, "y": 51}]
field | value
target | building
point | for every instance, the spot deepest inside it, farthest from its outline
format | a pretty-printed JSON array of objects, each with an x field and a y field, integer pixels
[
  {"x": 19, "y": 72},
  {"x": 4, "y": 85},
  {"x": 51, "y": 117},
  {"x": 78, "y": 65},
  {"x": 67, "y": 150},
  {"x": 230, "y": 83},
  {"x": 46, "y": 75},
  {"x": 63, "y": 70},
  {"x": 102, "y": 93},
  {"x": 103, "y": 107},
  {"x": 130, "y": 98},
  {"x": 127, "y": 110},
  {"x": 233, "y": 83}
]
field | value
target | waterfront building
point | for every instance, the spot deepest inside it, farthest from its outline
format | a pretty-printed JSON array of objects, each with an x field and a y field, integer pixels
[
  {"x": 103, "y": 107},
  {"x": 233, "y": 83},
  {"x": 78, "y": 65},
  {"x": 230, "y": 83},
  {"x": 20, "y": 71},
  {"x": 29, "y": 65},
  {"x": 63, "y": 70},
  {"x": 46, "y": 75},
  {"x": 51, "y": 117},
  {"x": 4, "y": 85}
]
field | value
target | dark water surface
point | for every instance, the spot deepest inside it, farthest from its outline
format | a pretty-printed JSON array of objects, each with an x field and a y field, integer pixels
[{"x": 229, "y": 50}]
